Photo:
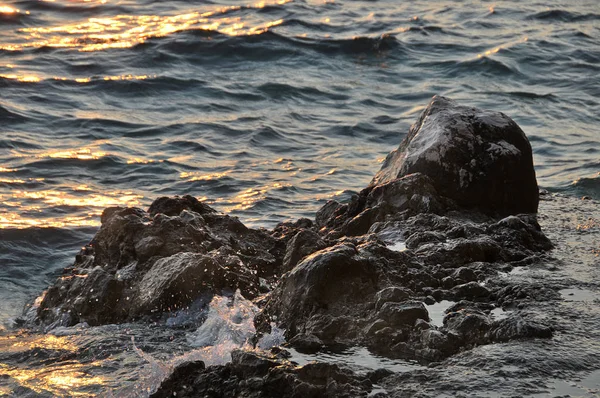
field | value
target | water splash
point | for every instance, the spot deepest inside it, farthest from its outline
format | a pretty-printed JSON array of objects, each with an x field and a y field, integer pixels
[
  {"x": 230, "y": 322},
  {"x": 229, "y": 325},
  {"x": 273, "y": 339}
]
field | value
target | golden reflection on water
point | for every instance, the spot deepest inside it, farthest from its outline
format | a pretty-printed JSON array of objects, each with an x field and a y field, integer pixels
[
  {"x": 249, "y": 197},
  {"x": 37, "y": 79},
  {"x": 21, "y": 78},
  {"x": 141, "y": 161},
  {"x": 46, "y": 342},
  {"x": 62, "y": 381},
  {"x": 497, "y": 49},
  {"x": 19, "y": 180},
  {"x": 124, "y": 31},
  {"x": 81, "y": 154},
  {"x": 8, "y": 10},
  {"x": 195, "y": 176},
  {"x": 6, "y": 170},
  {"x": 58, "y": 198},
  {"x": 27, "y": 203}
]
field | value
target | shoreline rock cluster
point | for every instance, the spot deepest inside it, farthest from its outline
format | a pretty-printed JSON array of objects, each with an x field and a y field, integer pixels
[{"x": 453, "y": 205}]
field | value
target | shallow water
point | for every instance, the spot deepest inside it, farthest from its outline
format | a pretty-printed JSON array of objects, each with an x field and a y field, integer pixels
[{"x": 267, "y": 109}]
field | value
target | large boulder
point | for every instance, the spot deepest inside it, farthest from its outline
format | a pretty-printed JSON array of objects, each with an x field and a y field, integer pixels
[
  {"x": 333, "y": 281},
  {"x": 480, "y": 159}
]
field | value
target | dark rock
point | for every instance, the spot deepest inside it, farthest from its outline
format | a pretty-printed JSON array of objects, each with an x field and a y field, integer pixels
[
  {"x": 250, "y": 374},
  {"x": 307, "y": 343},
  {"x": 95, "y": 296},
  {"x": 176, "y": 280},
  {"x": 413, "y": 191},
  {"x": 437, "y": 344},
  {"x": 335, "y": 282},
  {"x": 469, "y": 291},
  {"x": 329, "y": 212},
  {"x": 516, "y": 327},
  {"x": 249, "y": 364},
  {"x": 173, "y": 206},
  {"x": 409, "y": 195},
  {"x": 141, "y": 264},
  {"x": 422, "y": 324},
  {"x": 418, "y": 238},
  {"x": 470, "y": 324},
  {"x": 464, "y": 273},
  {"x": 391, "y": 294},
  {"x": 181, "y": 382},
  {"x": 335, "y": 277},
  {"x": 403, "y": 314},
  {"x": 480, "y": 159},
  {"x": 305, "y": 242}
]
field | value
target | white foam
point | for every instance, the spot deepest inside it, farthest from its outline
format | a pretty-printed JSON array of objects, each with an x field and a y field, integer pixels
[{"x": 397, "y": 246}]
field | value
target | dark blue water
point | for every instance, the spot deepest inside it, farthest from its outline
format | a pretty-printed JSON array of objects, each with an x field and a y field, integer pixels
[{"x": 267, "y": 110}]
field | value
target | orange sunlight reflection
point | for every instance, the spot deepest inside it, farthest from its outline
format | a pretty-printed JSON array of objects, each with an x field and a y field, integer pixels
[
  {"x": 246, "y": 199},
  {"x": 59, "y": 382},
  {"x": 124, "y": 31},
  {"x": 22, "y": 78},
  {"x": 81, "y": 154},
  {"x": 8, "y": 10},
  {"x": 194, "y": 176},
  {"x": 46, "y": 342},
  {"x": 96, "y": 203}
]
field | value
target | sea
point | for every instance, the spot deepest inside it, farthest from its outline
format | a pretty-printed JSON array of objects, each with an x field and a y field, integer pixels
[{"x": 265, "y": 110}]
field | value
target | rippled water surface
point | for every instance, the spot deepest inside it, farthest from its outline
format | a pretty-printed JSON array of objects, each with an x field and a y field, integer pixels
[
  {"x": 265, "y": 109},
  {"x": 269, "y": 109}
]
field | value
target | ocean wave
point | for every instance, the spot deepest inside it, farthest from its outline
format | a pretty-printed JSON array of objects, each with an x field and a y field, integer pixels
[
  {"x": 588, "y": 186},
  {"x": 8, "y": 116},
  {"x": 486, "y": 66},
  {"x": 268, "y": 138},
  {"x": 526, "y": 95},
  {"x": 268, "y": 46},
  {"x": 284, "y": 90},
  {"x": 564, "y": 16},
  {"x": 356, "y": 45},
  {"x": 429, "y": 29},
  {"x": 74, "y": 9}
]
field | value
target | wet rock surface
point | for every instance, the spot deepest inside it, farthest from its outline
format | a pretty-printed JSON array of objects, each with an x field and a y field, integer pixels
[
  {"x": 251, "y": 374},
  {"x": 437, "y": 225},
  {"x": 479, "y": 158},
  {"x": 145, "y": 263}
]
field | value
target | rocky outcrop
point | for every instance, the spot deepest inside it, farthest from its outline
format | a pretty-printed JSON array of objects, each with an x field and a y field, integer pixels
[
  {"x": 452, "y": 207},
  {"x": 478, "y": 158},
  {"x": 146, "y": 263},
  {"x": 360, "y": 292}
]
